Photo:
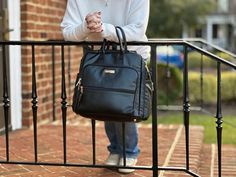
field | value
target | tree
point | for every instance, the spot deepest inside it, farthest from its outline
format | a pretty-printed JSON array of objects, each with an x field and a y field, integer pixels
[{"x": 167, "y": 17}]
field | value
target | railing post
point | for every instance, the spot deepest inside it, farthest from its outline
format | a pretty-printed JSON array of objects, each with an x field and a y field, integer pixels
[
  {"x": 201, "y": 80},
  {"x": 69, "y": 70},
  {"x": 124, "y": 143},
  {"x": 63, "y": 102},
  {"x": 94, "y": 140},
  {"x": 186, "y": 105},
  {"x": 53, "y": 85},
  {"x": 219, "y": 118},
  {"x": 6, "y": 101},
  {"x": 168, "y": 75},
  {"x": 154, "y": 113},
  {"x": 34, "y": 104}
]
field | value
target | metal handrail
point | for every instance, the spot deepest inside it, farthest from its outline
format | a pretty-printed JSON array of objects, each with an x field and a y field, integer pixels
[
  {"x": 150, "y": 42},
  {"x": 220, "y": 49},
  {"x": 200, "y": 40}
]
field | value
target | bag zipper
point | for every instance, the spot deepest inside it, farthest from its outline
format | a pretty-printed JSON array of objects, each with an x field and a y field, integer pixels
[
  {"x": 127, "y": 67},
  {"x": 81, "y": 88},
  {"x": 107, "y": 89}
]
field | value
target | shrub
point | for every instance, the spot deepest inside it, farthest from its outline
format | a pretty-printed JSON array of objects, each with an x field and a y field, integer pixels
[
  {"x": 224, "y": 56},
  {"x": 209, "y": 88},
  {"x": 175, "y": 84},
  {"x": 174, "y": 77},
  {"x": 194, "y": 60},
  {"x": 228, "y": 87}
]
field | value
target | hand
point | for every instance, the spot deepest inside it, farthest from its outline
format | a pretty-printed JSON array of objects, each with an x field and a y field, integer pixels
[{"x": 94, "y": 23}]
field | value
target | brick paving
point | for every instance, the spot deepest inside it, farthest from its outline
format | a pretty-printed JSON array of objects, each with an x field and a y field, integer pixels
[
  {"x": 171, "y": 151},
  {"x": 208, "y": 162}
]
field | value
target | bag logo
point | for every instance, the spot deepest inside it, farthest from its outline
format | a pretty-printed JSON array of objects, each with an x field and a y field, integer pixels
[{"x": 109, "y": 71}]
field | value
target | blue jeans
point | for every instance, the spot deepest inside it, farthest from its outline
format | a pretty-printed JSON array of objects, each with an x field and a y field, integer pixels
[{"x": 114, "y": 134}]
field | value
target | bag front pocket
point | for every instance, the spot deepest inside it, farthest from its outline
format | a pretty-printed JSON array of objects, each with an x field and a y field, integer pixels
[
  {"x": 105, "y": 100},
  {"x": 118, "y": 77}
]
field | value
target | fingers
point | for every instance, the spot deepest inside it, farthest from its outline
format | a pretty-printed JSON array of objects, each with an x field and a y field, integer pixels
[
  {"x": 94, "y": 23},
  {"x": 93, "y": 17},
  {"x": 97, "y": 30}
]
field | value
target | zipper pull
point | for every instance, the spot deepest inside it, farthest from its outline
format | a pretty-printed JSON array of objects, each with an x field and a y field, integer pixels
[
  {"x": 80, "y": 89},
  {"x": 78, "y": 83}
]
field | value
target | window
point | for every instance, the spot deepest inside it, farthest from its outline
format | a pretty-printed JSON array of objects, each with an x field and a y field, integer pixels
[
  {"x": 223, "y": 5},
  {"x": 215, "y": 31},
  {"x": 198, "y": 33}
]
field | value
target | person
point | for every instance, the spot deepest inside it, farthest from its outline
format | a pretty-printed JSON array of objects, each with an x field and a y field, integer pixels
[{"x": 94, "y": 20}]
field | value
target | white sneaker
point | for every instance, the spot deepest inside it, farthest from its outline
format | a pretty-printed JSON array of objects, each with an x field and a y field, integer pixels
[
  {"x": 113, "y": 159},
  {"x": 130, "y": 162}
]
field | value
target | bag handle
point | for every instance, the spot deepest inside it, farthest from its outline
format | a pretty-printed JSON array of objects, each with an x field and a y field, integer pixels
[
  {"x": 123, "y": 43},
  {"x": 119, "y": 39},
  {"x": 123, "y": 36}
]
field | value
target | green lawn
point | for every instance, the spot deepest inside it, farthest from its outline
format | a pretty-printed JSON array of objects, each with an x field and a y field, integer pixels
[{"x": 208, "y": 122}]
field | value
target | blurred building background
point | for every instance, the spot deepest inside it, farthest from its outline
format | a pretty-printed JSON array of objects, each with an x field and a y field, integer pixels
[{"x": 218, "y": 27}]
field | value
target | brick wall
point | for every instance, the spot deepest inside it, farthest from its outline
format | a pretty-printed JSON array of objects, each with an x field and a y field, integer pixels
[{"x": 40, "y": 21}]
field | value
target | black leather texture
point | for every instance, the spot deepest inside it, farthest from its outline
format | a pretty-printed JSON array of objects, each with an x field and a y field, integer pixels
[{"x": 113, "y": 85}]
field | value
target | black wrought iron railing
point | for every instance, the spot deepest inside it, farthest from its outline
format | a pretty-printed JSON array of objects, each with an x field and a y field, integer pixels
[{"x": 155, "y": 168}]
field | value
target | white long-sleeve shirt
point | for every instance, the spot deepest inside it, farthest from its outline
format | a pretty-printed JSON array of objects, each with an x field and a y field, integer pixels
[{"x": 131, "y": 15}]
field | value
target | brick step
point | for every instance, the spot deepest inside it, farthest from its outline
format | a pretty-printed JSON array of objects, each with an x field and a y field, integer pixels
[
  {"x": 171, "y": 150},
  {"x": 209, "y": 161},
  {"x": 177, "y": 156}
]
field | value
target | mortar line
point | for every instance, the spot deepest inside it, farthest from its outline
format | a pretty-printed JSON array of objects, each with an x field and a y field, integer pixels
[{"x": 212, "y": 159}]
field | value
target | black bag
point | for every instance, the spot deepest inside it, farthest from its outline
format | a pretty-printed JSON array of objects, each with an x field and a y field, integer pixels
[{"x": 113, "y": 84}]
